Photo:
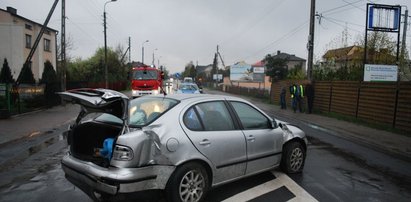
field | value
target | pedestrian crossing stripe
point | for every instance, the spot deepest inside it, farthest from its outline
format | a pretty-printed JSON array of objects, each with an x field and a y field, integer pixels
[{"x": 282, "y": 186}]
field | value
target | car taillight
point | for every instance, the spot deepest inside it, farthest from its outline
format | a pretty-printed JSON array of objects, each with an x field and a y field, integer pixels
[{"x": 122, "y": 153}]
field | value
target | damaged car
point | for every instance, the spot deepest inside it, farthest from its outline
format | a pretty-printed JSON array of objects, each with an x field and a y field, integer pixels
[{"x": 183, "y": 144}]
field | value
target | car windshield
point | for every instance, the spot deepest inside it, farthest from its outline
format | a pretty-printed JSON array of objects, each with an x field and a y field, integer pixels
[
  {"x": 146, "y": 109},
  {"x": 145, "y": 75},
  {"x": 188, "y": 87}
]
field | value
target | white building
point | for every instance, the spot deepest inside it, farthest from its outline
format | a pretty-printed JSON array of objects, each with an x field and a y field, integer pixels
[{"x": 17, "y": 37}]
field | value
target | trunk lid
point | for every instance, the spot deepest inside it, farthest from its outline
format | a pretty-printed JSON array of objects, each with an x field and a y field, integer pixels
[{"x": 98, "y": 100}]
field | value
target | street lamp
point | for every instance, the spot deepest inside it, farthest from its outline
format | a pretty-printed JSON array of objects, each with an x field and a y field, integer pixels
[
  {"x": 152, "y": 63},
  {"x": 105, "y": 44},
  {"x": 142, "y": 52},
  {"x": 158, "y": 61}
]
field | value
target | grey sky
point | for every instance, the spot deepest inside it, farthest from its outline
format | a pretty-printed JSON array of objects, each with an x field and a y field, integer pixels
[{"x": 189, "y": 30}]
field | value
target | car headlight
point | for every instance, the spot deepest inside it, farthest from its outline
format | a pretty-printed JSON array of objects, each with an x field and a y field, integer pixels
[
  {"x": 122, "y": 153},
  {"x": 155, "y": 92}
]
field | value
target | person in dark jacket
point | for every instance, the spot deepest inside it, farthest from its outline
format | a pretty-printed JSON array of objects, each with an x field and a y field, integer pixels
[
  {"x": 282, "y": 98},
  {"x": 309, "y": 90},
  {"x": 293, "y": 95}
]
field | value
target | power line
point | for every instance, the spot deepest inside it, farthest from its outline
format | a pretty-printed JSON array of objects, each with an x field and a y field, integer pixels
[
  {"x": 82, "y": 30},
  {"x": 358, "y": 25},
  {"x": 281, "y": 39},
  {"x": 342, "y": 6},
  {"x": 334, "y": 22},
  {"x": 253, "y": 23}
]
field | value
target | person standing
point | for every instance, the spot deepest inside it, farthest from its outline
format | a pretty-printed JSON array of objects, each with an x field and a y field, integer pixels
[
  {"x": 293, "y": 95},
  {"x": 300, "y": 97},
  {"x": 309, "y": 88},
  {"x": 282, "y": 98}
]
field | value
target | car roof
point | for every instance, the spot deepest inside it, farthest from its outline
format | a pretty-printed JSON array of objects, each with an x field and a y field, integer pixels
[
  {"x": 188, "y": 83},
  {"x": 195, "y": 97}
]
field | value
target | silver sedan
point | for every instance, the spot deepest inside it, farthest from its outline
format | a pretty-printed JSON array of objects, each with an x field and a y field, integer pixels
[{"x": 182, "y": 144}]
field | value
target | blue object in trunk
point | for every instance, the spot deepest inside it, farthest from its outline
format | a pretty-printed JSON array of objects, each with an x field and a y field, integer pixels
[{"x": 107, "y": 150}]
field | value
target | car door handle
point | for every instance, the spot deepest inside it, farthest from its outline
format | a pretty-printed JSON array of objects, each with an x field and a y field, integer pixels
[
  {"x": 251, "y": 138},
  {"x": 205, "y": 142}
]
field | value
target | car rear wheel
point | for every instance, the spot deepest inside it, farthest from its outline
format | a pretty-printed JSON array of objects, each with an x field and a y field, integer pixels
[
  {"x": 189, "y": 183},
  {"x": 293, "y": 158}
]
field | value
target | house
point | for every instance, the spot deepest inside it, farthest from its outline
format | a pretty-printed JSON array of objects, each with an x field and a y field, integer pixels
[
  {"x": 344, "y": 57},
  {"x": 204, "y": 72},
  {"x": 353, "y": 56},
  {"x": 17, "y": 37},
  {"x": 293, "y": 61}
]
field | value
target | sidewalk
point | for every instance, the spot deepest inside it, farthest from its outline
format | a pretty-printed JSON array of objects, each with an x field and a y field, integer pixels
[
  {"x": 399, "y": 145},
  {"x": 36, "y": 123}
]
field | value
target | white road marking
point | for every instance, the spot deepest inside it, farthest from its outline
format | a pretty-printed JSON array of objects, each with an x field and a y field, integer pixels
[{"x": 281, "y": 180}]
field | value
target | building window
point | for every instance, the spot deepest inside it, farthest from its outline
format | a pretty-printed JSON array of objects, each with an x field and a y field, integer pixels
[
  {"x": 29, "y": 27},
  {"x": 47, "y": 45},
  {"x": 28, "y": 41}
]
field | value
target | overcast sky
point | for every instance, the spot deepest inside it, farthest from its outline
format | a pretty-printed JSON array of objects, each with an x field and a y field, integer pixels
[{"x": 189, "y": 30}]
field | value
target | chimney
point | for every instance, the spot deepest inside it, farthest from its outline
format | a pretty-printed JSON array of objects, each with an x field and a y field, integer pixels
[
  {"x": 278, "y": 52},
  {"x": 11, "y": 10}
]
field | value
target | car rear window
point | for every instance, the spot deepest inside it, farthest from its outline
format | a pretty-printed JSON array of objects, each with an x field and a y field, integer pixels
[{"x": 145, "y": 110}]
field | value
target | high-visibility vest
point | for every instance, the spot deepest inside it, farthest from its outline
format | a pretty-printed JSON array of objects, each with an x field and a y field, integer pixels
[
  {"x": 293, "y": 89},
  {"x": 301, "y": 90}
]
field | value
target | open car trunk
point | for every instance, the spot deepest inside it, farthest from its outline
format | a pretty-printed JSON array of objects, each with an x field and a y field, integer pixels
[
  {"x": 93, "y": 140},
  {"x": 87, "y": 140}
]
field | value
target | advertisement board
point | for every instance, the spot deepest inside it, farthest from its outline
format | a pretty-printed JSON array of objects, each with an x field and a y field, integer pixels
[
  {"x": 243, "y": 72},
  {"x": 374, "y": 72}
]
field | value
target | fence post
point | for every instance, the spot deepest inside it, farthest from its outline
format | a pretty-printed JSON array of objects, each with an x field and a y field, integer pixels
[
  {"x": 331, "y": 97},
  {"x": 397, "y": 92},
  {"x": 358, "y": 99}
]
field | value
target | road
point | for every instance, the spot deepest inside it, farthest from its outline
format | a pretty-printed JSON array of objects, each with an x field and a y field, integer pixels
[{"x": 336, "y": 170}]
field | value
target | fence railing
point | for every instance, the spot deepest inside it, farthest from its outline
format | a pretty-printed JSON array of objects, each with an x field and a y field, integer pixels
[{"x": 381, "y": 103}]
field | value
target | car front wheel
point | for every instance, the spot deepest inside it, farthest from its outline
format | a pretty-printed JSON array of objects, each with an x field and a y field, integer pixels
[
  {"x": 189, "y": 183},
  {"x": 293, "y": 158}
]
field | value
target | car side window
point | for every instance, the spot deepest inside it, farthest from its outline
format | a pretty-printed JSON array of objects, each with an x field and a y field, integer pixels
[
  {"x": 215, "y": 116},
  {"x": 250, "y": 117},
  {"x": 191, "y": 120}
]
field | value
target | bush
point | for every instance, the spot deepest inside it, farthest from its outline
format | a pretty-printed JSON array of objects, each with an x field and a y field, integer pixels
[
  {"x": 5, "y": 74},
  {"x": 26, "y": 75}
]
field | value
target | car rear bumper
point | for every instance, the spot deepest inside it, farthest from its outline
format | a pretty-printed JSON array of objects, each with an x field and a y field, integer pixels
[{"x": 93, "y": 178}]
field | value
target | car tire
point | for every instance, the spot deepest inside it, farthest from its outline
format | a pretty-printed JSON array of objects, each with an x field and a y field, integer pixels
[
  {"x": 293, "y": 158},
  {"x": 188, "y": 183}
]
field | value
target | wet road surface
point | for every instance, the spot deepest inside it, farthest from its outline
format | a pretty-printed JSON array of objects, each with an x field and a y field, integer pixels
[{"x": 336, "y": 170}]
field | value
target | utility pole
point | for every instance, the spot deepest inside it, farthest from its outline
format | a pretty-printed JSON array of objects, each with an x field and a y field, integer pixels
[
  {"x": 404, "y": 38},
  {"x": 129, "y": 50},
  {"x": 311, "y": 41},
  {"x": 63, "y": 46}
]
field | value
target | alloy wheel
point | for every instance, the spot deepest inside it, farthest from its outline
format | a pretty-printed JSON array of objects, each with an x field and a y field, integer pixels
[
  {"x": 296, "y": 159},
  {"x": 192, "y": 186}
]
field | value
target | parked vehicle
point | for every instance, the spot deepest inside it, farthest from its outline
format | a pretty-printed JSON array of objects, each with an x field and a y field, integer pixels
[
  {"x": 183, "y": 144},
  {"x": 146, "y": 81},
  {"x": 188, "y": 80},
  {"x": 188, "y": 88}
]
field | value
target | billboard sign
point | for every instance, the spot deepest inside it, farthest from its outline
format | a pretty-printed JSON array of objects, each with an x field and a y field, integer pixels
[
  {"x": 241, "y": 71},
  {"x": 384, "y": 18},
  {"x": 374, "y": 72},
  {"x": 218, "y": 77}
]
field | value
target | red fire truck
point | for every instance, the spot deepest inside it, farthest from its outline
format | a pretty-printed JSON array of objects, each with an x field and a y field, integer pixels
[{"x": 146, "y": 80}]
